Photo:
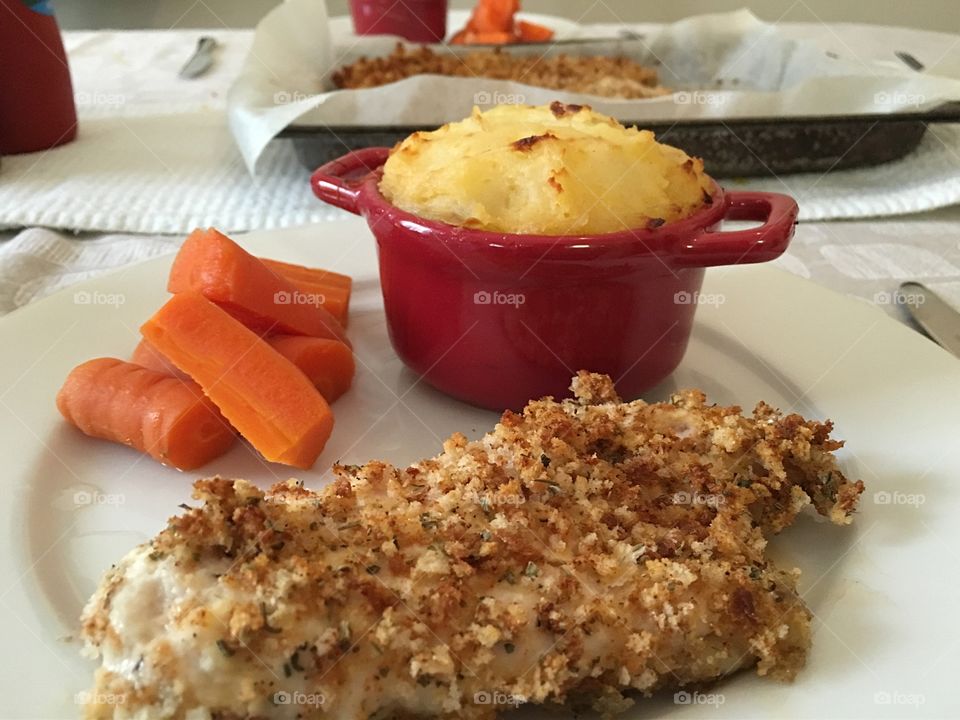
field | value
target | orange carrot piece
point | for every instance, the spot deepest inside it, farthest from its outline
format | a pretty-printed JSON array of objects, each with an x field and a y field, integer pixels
[
  {"x": 263, "y": 395},
  {"x": 318, "y": 276},
  {"x": 328, "y": 364},
  {"x": 490, "y": 23},
  {"x": 147, "y": 356},
  {"x": 327, "y": 291},
  {"x": 332, "y": 289},
  {"x": 532, "y": 32},
  {"x": 490, "y": 37},
  {"x": 167, "y": 418},
  {"x": 492, "y": 16},
  {"x": 212, "y": 264},
  {"x": 332, "y": 298}
]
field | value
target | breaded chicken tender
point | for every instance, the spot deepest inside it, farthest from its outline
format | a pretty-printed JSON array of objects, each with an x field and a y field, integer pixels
[{"x": 587, "y": 551}]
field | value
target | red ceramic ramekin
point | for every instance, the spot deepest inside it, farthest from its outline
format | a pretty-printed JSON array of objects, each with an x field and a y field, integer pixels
[{"x": 496, "y": 319}]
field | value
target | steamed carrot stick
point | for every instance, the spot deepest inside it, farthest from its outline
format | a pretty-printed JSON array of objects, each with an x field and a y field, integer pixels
[
  {"x": 532, "y": 32},
  {"x": 212, "y": 264},
  {"x": 263, "y": 395},
  {"x": 311, "y": 275},
  {"x": 147, "y": 356},
  {"x": 335, "y": 300},
  {"x": 328, "y": 289},
  {"x": 166, "y": 417},
  {"x": 328, "y": 364}
]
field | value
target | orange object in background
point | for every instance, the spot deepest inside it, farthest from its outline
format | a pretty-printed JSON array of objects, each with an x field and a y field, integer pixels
[
  {"x": 167, "y": 418},
  {"x": 494, "y": 15},
  {"x": 492, "y": 23},
  {"x": 37, "y": 110},
  {"x": 213, "y": 265},
  {"x": 532, "y": 32},
  {"x": 264, "y": 396}
]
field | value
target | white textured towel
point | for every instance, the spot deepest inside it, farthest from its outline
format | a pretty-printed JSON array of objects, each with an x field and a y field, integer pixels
[
  {"x": 928, "y": 178},
  {"x": 157, "y": 174},
  {"x": 38, "y": 262}
]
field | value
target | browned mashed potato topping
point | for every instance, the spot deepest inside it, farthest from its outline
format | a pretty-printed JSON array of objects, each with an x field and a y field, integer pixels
[{"x": 551, "y": 170}]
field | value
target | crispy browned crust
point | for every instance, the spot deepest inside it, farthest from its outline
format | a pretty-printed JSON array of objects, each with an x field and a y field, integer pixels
[
  {"x": 584, "y": 549},
  {"x": 594, "y": 75}
]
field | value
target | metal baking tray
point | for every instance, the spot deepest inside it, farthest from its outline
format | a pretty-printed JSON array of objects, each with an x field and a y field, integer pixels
[{"x": 730, "y": 148}]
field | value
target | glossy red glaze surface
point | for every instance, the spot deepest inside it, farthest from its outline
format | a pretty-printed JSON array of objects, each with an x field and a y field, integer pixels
[
  {"x": 496, "y": 319},
  {"x": 415, "y": 20}
]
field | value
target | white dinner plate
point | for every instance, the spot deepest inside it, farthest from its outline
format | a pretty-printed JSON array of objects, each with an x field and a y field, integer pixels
[
  {"x": 884, "y": 590},
  {"x": 341, "y": 26}
]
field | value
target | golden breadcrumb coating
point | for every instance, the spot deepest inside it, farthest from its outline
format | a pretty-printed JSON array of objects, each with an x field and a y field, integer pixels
[{"x": 585, "y": 551}]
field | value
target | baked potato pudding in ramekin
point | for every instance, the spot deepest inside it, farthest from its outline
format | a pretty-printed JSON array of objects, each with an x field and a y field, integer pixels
[
  {"x": 525, "y": 243},
  {"x": 543, "y": 170}
]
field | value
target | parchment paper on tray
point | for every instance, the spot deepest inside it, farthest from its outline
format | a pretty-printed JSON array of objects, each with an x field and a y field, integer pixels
[{"x": 721, "y": 66}]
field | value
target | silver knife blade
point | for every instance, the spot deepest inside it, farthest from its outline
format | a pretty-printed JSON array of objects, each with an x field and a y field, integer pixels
[
  {"x": 201, "y": 60},
  {"x": 936, "y": 317},
  {"x": 910, "y": 61}
]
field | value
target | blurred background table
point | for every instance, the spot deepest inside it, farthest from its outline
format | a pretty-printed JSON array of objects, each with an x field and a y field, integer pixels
[
  {"x": 940, "y": 15},
  {"x": 867, "y": 258}
]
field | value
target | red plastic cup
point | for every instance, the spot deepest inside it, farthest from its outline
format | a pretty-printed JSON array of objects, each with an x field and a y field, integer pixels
[
  {"x": 414, "y": 20},
  {"x": 37, "y": 110}
]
